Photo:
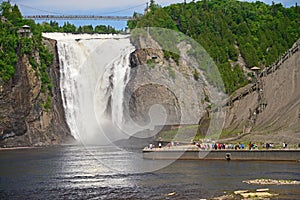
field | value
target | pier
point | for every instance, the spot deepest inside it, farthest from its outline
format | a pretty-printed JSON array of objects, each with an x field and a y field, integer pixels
[{"x": 224, "y": 154}]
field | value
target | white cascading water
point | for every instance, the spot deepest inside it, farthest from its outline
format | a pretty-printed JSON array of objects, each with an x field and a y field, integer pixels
[{"x": 94, "y": 72}]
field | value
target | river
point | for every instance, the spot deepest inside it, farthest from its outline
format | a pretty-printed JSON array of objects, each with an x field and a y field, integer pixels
[{"x": 106, "y": 172}]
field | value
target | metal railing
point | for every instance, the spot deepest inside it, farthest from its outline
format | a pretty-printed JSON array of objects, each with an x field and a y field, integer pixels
[
  {"x": 268, "y": 70},
  {"x": 78, "y": 17}
]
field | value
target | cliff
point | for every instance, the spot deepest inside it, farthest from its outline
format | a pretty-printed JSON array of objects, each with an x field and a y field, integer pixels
[
  {"x": 24, "y": 121},
  {"x": 162, "y": 91},
  {"x": 278, "y": 92},
  {"x": 267, "y": 110}
]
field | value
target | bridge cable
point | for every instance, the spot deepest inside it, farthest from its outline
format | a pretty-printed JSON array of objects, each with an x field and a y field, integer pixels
[
  {"x": 57, "y": 13},
  {"x": 125, "y": 9},
  {"x": 40, "y": 9}
]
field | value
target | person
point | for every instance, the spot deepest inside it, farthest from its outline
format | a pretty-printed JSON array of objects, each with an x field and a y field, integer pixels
[
  {"x": 150, "y": 146},
  {"x": 267, "y": 145},
  {"x": 237, "y": 147},
  {"x": 242, "y": 146},
  {"x": 283, "y": 145},
  {"x": 254, "y": 146},
  {"x": 299, "y": 145},
  {"x": 159, "y": 145}
]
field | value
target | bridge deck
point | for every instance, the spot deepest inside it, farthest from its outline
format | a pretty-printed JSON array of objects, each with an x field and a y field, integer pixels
[{"x": 78, "y": 17}]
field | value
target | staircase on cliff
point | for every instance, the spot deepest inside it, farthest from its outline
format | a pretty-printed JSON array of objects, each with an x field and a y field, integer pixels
[{"x": 246, "y": 108}]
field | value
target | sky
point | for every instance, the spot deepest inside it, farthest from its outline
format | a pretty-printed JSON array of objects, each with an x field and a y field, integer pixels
[{"x": 101, "y": 7}]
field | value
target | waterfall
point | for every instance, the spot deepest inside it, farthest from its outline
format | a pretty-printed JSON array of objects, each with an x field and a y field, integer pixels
[{"x": 94, "y": 72}]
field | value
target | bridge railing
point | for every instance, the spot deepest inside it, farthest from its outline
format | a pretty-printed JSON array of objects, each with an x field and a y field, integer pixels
[{"x": 78, "y": 17}]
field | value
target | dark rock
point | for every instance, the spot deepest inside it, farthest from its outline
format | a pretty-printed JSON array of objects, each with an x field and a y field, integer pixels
[{"x": 23, "y": 120}]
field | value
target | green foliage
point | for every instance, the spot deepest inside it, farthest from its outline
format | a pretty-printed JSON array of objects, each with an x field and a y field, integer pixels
[
  {"x": 232, "y": 78},
  {"x": 87, "y": 29},
  {"x": 230, "y": 133},
  {"x": 133, "y": 23},
  {"x": 168, "y": 135},
  {"x": 47, "y": 104},
  {"x": 259, "y": 31},
  {"x": 105, "y": 29},
  {"x": 171, "y": 55},
  {"x": 183, "y": 134},
  {"x": 6, "y": 71},
  {"x": 33, "y": 63},
  {"x": 45, "y": 55},
  {"x": 8, "y": 41},
  {"x": 12, "y": 13},
  {"x": 13, "y": 46},
  {"x": 151, "y": 63},
  {"x": 27, "y": 46},
  {"x": 71, "y": 28},
  {"x": 249, "y": 54},
  {"x": 157, "y": 17}
]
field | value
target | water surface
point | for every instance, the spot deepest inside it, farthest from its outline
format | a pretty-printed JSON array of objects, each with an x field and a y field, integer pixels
[{"x": 77, "y": 172}]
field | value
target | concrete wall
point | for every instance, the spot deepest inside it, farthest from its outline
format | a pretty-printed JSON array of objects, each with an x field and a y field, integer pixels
[{"x": 264, "y": 155}]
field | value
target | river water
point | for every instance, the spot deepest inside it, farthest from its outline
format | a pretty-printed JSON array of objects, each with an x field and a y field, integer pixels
[{"x": 106, "y": 172}]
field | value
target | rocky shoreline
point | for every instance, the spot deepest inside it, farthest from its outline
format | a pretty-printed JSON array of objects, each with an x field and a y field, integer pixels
[
  {"x": 272, "y": 182},
  {"x": 16, "y": 148},
  {"x": 259, "y": 193}
]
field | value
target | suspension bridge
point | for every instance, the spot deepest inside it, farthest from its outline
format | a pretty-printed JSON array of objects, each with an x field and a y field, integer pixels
[
  {"x": 78, "y": 17},
  {"x": 60, "y": 16}
]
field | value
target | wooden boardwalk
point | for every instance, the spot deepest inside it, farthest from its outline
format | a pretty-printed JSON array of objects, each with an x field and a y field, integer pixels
[{"x": 268, "y": 70}]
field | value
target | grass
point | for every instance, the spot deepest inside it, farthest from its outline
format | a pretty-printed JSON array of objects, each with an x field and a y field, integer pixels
[
  {"x": 230, "y": 133},
  {"x": 186, "y": 134},
  {"x": 151, "y": 63}
]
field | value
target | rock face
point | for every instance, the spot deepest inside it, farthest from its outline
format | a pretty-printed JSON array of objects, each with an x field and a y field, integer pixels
[
  {"x": 280, "y": 120},
  {"x": 162, "y": 88},
  {"x": 23, "y": 120}
]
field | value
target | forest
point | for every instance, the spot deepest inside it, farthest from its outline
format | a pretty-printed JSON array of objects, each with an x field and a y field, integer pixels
[{"x": 260, "y": 33}]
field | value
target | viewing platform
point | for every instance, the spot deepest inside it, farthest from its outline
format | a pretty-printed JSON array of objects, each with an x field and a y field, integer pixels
[{"x": 191, "y": 152}]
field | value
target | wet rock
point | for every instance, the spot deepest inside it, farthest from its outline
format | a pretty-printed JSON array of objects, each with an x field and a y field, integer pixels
[{"x": 272, "y": 182}]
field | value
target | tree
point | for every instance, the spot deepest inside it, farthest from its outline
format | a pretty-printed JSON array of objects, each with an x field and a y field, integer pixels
[
  {"x": 79, "y": 30},
  {"x": 16, "y": 12},
  {"x": 87, "y": 29},
  {"x": 69, "y": 28},
  {"x": 152, "y": 3}
]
